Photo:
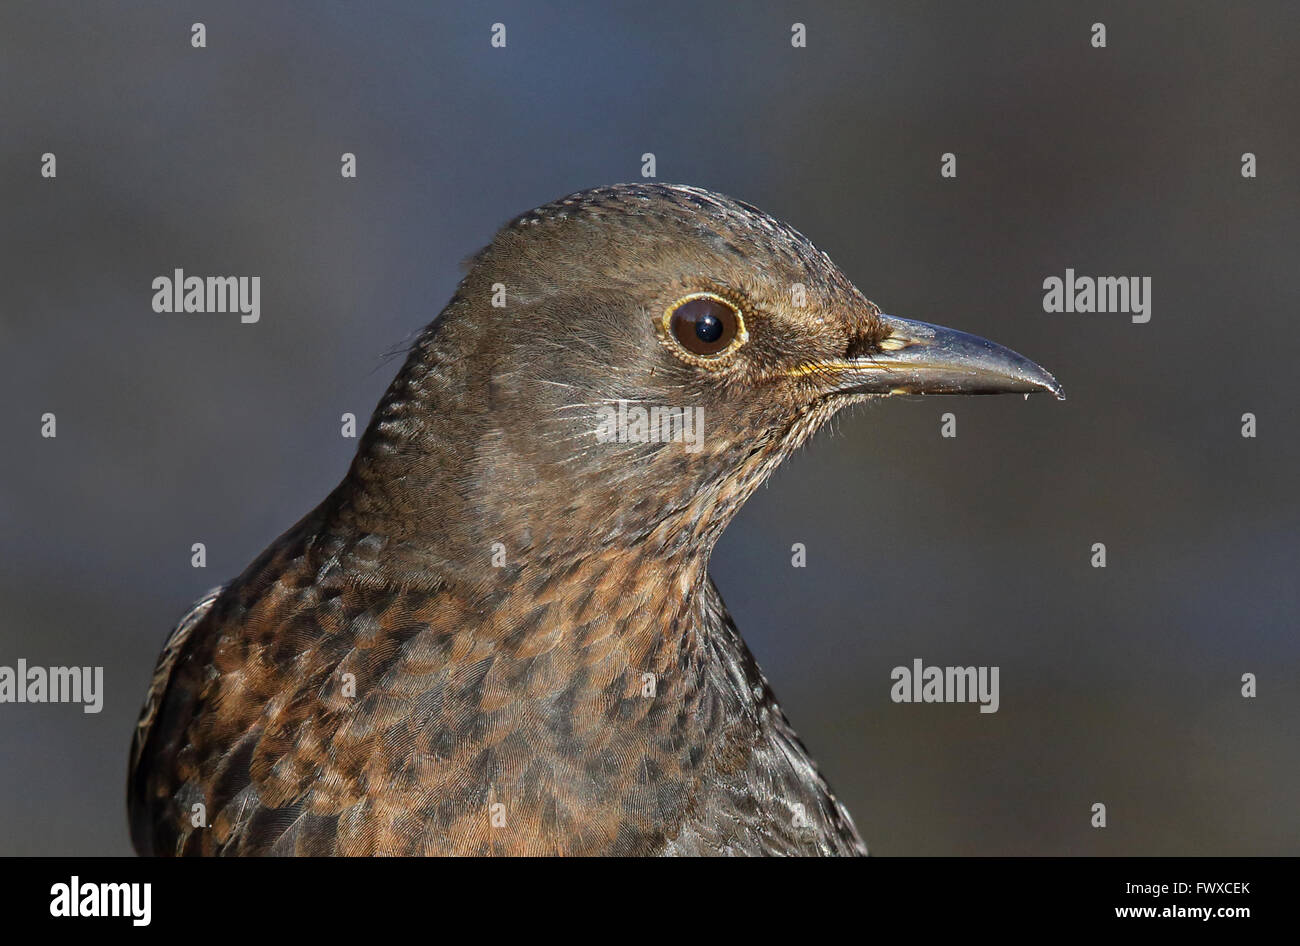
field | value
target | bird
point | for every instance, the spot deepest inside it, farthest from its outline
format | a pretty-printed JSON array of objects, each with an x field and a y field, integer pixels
[{"x": 498, "y": 634}]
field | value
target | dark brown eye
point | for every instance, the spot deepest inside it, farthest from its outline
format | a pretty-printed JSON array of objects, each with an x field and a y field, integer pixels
[{"x": 704, "y": 325}]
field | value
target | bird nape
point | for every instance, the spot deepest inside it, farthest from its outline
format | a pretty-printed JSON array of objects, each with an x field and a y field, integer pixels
[{"x": 498, "y": 634}]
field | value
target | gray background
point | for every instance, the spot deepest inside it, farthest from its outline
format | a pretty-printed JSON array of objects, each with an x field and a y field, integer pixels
[{"x": 1118, "y": 685}]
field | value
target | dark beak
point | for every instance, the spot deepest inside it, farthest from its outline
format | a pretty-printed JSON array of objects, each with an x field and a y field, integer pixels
[{"x": 919, "y": 358}]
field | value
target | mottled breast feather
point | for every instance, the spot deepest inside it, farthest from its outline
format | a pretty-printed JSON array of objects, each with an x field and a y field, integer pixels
[{"x": 253, "y": 724}]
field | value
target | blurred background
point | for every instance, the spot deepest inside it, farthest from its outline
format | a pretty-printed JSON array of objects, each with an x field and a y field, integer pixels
[{"x": 1118, "y": 685}]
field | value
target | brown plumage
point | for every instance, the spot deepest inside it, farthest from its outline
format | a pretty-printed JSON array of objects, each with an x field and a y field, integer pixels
[{"x": 498, "y": 635}]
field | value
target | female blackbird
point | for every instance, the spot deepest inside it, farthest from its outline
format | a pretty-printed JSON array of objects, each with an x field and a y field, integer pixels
[{"x": 498, "y": 634}]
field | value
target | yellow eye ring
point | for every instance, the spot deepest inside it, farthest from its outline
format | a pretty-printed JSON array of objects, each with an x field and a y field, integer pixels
[{"x": 704, "y": 327}]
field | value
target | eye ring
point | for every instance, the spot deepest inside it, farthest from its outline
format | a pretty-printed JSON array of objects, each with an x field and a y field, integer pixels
[{"x": 704, "y": 328}]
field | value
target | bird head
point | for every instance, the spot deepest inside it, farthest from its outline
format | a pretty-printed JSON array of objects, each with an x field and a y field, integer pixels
[{"x": 627, "y": 364}]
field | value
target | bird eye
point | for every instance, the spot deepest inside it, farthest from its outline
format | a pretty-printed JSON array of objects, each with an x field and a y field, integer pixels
[{"x": 705, "y": 325}]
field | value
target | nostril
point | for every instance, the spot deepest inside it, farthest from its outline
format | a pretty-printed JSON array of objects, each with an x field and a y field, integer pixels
[{"x": 862, "y": 345}]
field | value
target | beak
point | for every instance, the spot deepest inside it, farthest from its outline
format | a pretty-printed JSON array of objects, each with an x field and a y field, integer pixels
[{"x": 918, "y": 358}]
